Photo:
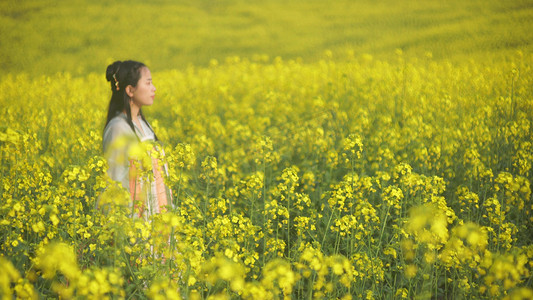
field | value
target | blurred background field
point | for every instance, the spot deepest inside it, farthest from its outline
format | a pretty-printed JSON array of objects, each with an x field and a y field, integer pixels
[{"x": 44, "y": 37}]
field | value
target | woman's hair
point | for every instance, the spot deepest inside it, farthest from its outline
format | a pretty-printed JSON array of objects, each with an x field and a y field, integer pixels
[{"x": 121, "y": 74}]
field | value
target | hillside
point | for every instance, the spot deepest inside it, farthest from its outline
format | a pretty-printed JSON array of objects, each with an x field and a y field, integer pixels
[{"x": 45, "y": 37}]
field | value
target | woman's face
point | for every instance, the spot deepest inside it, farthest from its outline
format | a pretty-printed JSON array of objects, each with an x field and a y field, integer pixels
[{"x": 144, "y": 92}]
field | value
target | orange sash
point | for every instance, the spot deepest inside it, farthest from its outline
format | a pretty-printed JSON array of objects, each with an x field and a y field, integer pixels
[{"x": 137, "y": 197}]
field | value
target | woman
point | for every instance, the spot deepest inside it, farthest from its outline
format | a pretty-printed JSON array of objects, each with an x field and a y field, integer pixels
[{"x": 126, "y": 129}]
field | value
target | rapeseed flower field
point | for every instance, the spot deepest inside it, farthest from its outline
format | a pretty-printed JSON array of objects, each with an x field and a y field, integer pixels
[{"x": 346, "y": 178}]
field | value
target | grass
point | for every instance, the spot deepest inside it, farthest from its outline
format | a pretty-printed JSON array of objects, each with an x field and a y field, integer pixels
[{"x": 45, "y": 37}]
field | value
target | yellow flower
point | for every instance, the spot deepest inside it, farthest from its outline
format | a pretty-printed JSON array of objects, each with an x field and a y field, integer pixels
[
  {"x": 390, "y": 251},
  {"x": 191, "y": 280},
  {"x": 54, "y": 219},
  {"x": 222, "y": 268},
  {"x": 278, "y": 272},
  {"x": 522, "y": 293},
  {"x": 38, "y": 227},
  {"x": 428, "y": 224},
  {"x": 8, "y": 276},
  {"x": 402, "y": 293},
  {"x": 57, "y": 257},
  {"x": 410, "y": 271}
]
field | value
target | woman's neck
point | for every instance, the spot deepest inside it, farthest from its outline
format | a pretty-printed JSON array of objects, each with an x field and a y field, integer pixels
[{"x": 135, "y": 112}]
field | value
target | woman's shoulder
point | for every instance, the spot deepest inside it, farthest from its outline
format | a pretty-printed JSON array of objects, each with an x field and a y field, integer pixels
[
  {"x": 116, "y": 128},
  {"x": 118, "y": 123}
]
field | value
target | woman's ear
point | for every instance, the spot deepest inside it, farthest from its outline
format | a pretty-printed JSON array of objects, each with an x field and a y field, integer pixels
[{"x": 129, "y": 90}]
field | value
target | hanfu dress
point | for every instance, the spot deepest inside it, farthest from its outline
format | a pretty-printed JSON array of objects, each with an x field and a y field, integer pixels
[{"x": 149, "y": 194}]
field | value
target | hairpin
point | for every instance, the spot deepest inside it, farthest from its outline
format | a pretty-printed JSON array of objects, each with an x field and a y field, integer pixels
[
  {"x": 116, "y": 81},
  {"x": 115, "y": 78}
]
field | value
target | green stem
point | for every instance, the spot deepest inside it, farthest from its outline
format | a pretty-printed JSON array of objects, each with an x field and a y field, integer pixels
[
  {"x": 383, "y": 229},
  {"x": 327, "y": 228},
  {"x": 289, "y": 227}
]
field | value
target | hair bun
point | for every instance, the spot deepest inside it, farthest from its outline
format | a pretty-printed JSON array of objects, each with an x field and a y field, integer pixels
[{"x": 112, "y": 69}]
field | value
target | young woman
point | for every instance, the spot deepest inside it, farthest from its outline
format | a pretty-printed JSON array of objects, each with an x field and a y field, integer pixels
[{"x": 126, "y": 127}]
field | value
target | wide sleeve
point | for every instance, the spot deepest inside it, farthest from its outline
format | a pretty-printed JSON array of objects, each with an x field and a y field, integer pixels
[{"x": 117, "y": 139}]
